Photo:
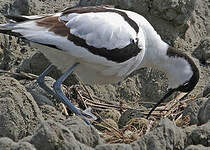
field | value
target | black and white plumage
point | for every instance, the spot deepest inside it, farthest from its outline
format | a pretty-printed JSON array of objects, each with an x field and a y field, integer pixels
[{"x": 107, "y": 43}]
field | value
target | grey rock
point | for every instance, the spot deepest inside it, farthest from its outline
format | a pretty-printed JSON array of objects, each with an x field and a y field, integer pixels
[
  {"x": 19, "y": 113},
  {"x": 202, "y": 52},
  {"x": 113, "y": 147},
  {"x": 206, "y": 90},
  {"x": 173, "y": 10},
  {"x": 48, "y": 104},
  {"x": 164, "y": 136},
  {"x": 198, "y": 135},
  {"x": 82, "y": 132},
  {"x": 12, "y": 54},
  {"x": 193, "y": 108},
  {"x": 41, "y": 96},
  {"x": 37, "y": 63},
  {"x": 134, "y": 88},
  {"x": 13, "y": 50},
  {"x": 128, "y": 115},
  {"x": 8, "y": 144},
  {"x": 203, "y": 114},
  {"x": 107, "y": 92},
  {"x": 51, "y": 113},
  {"x": 34, "y": 7},
  {"x": 197, "y": 147},
  {"x": 25, "y": 7},
  {"x": 152, "y": 84},
  {"x": 125, "y": 4},
  {"x": 52, "y": 136}
]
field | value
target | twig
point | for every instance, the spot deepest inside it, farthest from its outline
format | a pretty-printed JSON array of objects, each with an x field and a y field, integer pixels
[
  {"x": 81, "y": 98},
  {"x": 88, "y": 92},
  {"x": 174, "y": 104},
  {"x": 64, "y": 109},
  {"x": 21, "y": 74}
]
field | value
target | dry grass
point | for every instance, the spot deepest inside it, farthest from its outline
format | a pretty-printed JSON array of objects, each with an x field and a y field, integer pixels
[{"x": 136, "y": 127}]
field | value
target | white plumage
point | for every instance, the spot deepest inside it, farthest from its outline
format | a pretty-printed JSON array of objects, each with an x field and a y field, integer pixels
[{"x": 102, "y": 28}]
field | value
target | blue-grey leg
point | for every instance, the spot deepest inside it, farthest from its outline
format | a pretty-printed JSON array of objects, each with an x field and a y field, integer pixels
[
  {"x": 40, "y": 80},
  {"x": 62, "y": 97}
]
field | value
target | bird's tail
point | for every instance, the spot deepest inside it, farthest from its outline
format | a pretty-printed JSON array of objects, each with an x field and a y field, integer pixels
[
  {"x": 7, "y": 29},
  {"x": 14, "y": 21}
]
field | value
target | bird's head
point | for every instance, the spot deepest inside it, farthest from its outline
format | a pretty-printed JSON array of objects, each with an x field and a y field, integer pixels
[{"x": 182, "y": 73}]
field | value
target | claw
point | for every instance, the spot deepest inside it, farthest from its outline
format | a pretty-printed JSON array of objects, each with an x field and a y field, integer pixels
[{"x": 87, "y": 113}]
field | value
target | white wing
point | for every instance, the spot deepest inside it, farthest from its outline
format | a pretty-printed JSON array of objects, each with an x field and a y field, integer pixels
[
  {"x": 102, "y": 30},
  {"x": 105, "y": 31}
]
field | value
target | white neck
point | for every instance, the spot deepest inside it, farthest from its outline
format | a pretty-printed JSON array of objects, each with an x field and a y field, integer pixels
[{"x": 177, "y": 69}]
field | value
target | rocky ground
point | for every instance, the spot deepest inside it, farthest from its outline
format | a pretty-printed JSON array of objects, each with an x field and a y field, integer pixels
[{"x": 31, "y": 119}]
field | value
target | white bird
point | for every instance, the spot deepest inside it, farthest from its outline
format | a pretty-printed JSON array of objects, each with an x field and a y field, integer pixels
[{"x": 102, "y": 45}]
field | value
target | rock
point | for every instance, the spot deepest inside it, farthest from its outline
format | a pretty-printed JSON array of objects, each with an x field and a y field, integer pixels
[
  {"x": 203, "y": 114},
  {"x": 107, "y": 92},
  {"x": 25, "y": 7},
  {"x": 40, "y": 95},
  {"x": 50, "y": 113},
  {"x": 128, "y": 115},
  {"x": 113, "y": 147},
  {"x": 176, "y": 11},
  {"x": 12, "y": 54},
  {"x": 192, "y": 110},
  {"x": 14, "y": 49},
  {"x": 197, "y": 147},
  {"x": 52, "y": 136},
  {"x": 198, "y": 135},
  {"x": 202, "y": 52},
  {"x": 46, "y": 102},
  {"x": 110, "y": 114},
  {"x": 8, "y": 144},
  {"x": 152, "y": 85},
  {"x": 125, "y": 4},
  {"x": 19, "y": 113},
  {"x": 83, "y": 133},
  {"x": 34, "y": 7},
  {"x": 129, "y": 89},
  {"x": 206, "y": 90},
  {"x": 37, "y": 63},
  {"x": 164, "y": 136}
]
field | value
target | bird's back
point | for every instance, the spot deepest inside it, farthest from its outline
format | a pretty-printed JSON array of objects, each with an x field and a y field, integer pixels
[{"x": 107, "y": 43}]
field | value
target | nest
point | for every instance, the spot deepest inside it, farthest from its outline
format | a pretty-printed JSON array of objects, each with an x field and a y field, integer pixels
[{"x": 135, "y": 127}]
